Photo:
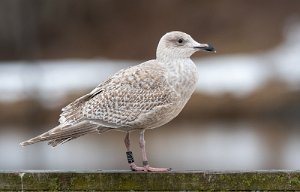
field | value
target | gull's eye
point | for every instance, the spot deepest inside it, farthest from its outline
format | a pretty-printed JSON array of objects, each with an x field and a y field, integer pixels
[{"x": 180, "y": 41}]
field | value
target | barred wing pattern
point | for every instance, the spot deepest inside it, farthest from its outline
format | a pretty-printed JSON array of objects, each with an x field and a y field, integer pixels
[{"x": 135, "y": 98}]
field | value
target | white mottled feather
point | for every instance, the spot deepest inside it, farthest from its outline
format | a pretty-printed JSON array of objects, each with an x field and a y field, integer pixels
[{"x": 145, "y": 96}]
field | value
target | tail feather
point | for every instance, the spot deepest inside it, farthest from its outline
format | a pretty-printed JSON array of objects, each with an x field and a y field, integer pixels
[
  {"x": 63, "y": 133},
  {"x": 59, "y": 141}
]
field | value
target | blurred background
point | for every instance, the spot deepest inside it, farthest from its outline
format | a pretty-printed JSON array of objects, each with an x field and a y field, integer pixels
[{"x": 244, "y": 115}]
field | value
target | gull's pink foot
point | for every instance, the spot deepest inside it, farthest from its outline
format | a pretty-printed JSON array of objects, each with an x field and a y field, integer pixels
[
  {"x": 134, "y": 167},
  {"x": 147, "y": 168},
  {"x": 130, "y": 159},
  {"x": 155, "y": 169}
]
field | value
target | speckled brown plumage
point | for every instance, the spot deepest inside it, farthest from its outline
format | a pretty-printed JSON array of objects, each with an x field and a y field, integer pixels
[{"x": 141, "y": 97}]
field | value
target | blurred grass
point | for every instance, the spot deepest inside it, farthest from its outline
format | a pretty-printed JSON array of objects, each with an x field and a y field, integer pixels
[{"x": 274, "y": 100}]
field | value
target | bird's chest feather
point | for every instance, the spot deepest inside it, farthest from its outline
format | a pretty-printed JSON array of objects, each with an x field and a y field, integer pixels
[{"x": 183, "y": 78}]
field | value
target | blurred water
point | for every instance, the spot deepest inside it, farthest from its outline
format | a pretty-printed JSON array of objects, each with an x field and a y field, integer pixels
[{"x": 239, "y": 145}]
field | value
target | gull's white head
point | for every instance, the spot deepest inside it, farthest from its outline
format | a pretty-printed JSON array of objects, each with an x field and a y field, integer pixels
[{"x": 178, "y": 45}]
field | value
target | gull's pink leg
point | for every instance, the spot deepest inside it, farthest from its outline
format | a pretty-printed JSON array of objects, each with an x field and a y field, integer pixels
[
  {"x": 132, "y": 165},
  {"x": 145, "y": 160}
]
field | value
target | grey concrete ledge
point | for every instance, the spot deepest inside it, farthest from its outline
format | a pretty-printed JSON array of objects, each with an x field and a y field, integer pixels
[{"x": 138, "y": 181}]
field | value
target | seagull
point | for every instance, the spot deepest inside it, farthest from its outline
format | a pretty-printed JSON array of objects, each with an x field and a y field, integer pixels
[{"x": 138, "y": 98}]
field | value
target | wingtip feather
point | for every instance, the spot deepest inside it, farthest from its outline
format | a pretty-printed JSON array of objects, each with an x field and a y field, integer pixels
[{"x": 23, "y": 144}]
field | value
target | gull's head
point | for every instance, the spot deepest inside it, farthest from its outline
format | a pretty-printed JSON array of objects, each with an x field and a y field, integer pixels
[{"x": 177, "y": 45}]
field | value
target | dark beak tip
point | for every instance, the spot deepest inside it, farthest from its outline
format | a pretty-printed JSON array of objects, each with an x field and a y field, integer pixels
[{"x": 208, "y": 48}]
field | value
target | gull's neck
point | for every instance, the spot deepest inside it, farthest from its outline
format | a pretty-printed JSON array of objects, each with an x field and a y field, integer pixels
[{"x": 172, "y": 59}]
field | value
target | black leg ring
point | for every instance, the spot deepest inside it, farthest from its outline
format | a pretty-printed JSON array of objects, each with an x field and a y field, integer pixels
[
  {"x": 145, "y": 163},
  {"x": 129, "y": 157}
]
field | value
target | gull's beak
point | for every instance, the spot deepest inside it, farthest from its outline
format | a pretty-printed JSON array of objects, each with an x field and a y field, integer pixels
[{"x": 205, "y": 47}]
